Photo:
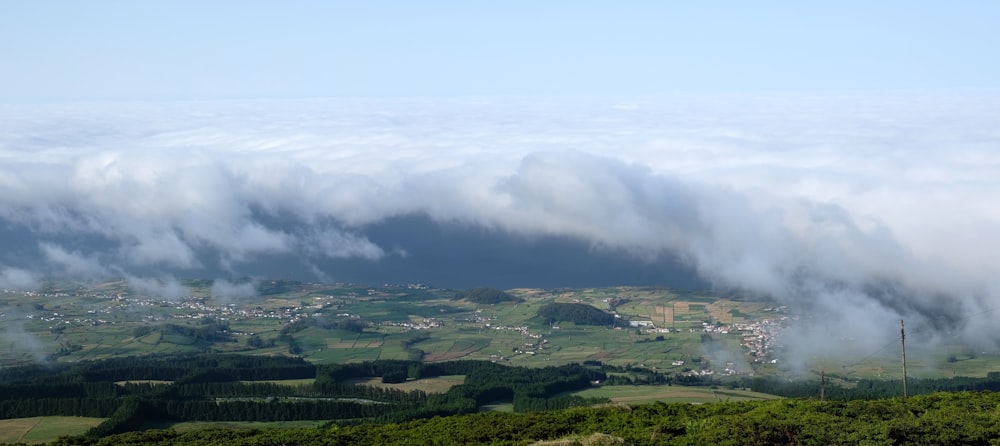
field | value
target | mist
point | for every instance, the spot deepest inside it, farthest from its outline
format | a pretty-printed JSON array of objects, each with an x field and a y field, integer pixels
[
  {"x": 168, "y": 288},
  {"x": 862, "y": 209},
  {"x": 226, "y": 291},
  {"x": 16, "y": 279},
  {"x": 18, "y": 340}
]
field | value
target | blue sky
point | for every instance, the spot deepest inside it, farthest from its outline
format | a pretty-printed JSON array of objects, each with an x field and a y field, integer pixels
[{"x": 110, "y": 50}]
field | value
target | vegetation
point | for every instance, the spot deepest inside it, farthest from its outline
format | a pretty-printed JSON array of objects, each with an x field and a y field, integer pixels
[
  {"x": 937, "y": 419},
  {"x": 580, "y": 314},
  {"x": 871, "y": 389},
  {"x": 486, "y": 296},
  {"x": 208, "y": 330},
  {"x": 135, "y": 391},
  {"x": 336, "y": 323},
  {"x": 43, "y": 429},
  {"x": 359, "y": 360}
]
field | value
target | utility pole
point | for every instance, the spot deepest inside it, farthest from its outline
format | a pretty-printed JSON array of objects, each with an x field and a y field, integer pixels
[
  {"x": 822, "y": 385},
  {"x": 902, "y": 341}
]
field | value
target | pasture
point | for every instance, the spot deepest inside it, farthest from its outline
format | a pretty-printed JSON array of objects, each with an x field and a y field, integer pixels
[
  {"x": 669, "y": 394},
  {"x": 438, "y": 384},
  {"x": 43, "y": 429}
]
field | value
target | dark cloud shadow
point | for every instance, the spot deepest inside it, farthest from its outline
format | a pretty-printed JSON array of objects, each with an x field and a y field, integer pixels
[{"x": 461, "y": 255}]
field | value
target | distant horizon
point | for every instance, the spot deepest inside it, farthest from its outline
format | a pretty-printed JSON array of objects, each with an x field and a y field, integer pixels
[
  {"x": 712, "y": 95},
  {"x": 47, "y": 281}
]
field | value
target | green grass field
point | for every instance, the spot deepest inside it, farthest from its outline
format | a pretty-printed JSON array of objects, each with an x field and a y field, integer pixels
[
  {"x": 685, "y": 394},
  {"x": 43, "y": 429},
  {"x": 439, "y": 384}
]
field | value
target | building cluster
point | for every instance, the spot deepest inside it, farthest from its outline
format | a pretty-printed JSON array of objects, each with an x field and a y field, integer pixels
[
  {"x": 519, "y": 329},
  {"x": 425, "y": 324},
  {"x": 118, "y": 308},
  {"x": 760, "y": 338},
  {"x": 531, "y": 348}
]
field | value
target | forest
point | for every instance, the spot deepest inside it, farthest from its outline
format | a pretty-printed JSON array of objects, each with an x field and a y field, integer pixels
[{"x": 133, "y": 392}]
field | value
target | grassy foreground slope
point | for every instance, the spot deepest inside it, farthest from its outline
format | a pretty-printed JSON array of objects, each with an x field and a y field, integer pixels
[{"x": 938, "y": 419}]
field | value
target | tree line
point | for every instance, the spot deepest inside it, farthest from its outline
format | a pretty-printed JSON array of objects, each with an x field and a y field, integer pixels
[{"x": 870, "y": 388}]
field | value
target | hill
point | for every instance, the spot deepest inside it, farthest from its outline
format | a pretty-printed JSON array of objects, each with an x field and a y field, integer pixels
[{"x": 579, "y": 314}]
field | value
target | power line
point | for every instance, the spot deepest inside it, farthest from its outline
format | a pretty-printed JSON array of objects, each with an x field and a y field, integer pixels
[{"x": 918, "y": 330}]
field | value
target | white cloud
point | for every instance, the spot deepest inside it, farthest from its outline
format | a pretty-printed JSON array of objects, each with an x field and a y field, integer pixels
[
  {"x": 337, "y": 244},
  {"x": 21, "y": 340},
  {"x": 164, "y": 288},
  {"x": 801, "y": 197},
  {"x": 74, "y": 263},
  {"x": 225, "y": 291},
  {"x": 17, "y": 279}
]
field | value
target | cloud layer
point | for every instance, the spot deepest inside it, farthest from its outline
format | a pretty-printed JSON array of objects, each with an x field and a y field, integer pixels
[{"x": 867, "y": 208}]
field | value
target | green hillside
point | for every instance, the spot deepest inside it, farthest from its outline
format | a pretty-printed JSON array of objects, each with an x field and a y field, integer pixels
[{"x": 937, "y": 419}]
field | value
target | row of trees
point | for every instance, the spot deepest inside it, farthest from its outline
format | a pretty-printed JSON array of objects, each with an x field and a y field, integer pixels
[
  {"x": 871, "y": 389},
  {"x": 179, "y": 367},
  {"x": 73, "y": 407},
  {"x": 486, "y": 296}
]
